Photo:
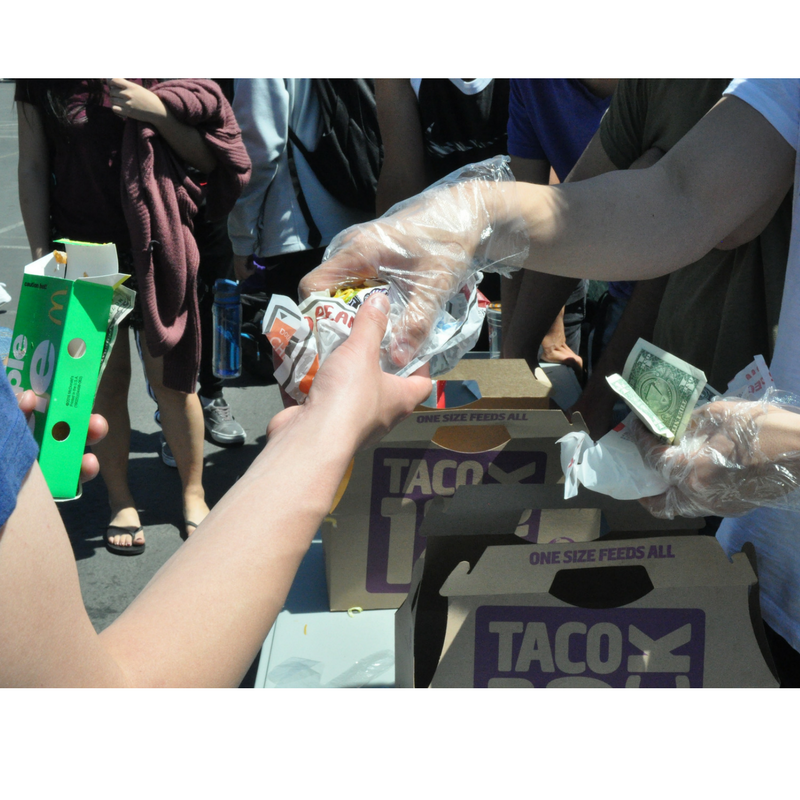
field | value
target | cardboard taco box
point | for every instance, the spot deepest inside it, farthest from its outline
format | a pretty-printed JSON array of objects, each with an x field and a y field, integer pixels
[
  {"x": 57, "y": 348},
  {"x": 504, "y": 434},
  {"x": 634, "y": 608}
]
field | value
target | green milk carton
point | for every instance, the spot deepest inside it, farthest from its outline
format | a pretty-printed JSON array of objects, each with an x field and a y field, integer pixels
[{"x": 64, "y": 328}]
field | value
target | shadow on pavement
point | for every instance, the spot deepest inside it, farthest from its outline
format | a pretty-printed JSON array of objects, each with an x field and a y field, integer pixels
[{"x": 156, "y": 488}]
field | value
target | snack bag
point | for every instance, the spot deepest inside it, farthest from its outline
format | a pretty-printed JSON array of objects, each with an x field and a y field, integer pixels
[{"x": 303, "y": 336}]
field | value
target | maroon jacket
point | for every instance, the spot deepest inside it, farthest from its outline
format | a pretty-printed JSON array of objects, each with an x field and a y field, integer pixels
[{"x": 160, "y": 201}]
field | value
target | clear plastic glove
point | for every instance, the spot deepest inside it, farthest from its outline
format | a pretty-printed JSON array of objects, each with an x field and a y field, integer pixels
[
  {"x": 735, "y": 456},
  {"x": 429, "y": 247}
]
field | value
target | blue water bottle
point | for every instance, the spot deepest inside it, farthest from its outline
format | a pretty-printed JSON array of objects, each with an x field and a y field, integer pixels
[{"x": 227, "y": 351}]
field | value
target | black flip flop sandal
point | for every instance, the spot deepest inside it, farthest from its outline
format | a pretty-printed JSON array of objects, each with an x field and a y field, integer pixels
[{"x": 121, "y": 549}]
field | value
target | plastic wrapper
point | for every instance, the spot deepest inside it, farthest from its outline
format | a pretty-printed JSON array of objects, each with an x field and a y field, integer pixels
[
  {"x": 429, "y": 249},
  {"x": 303, "y": 336},
  {"x": 612, "y": 466}
]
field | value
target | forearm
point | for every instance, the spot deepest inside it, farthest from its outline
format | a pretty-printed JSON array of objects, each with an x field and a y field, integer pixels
[
  {"x": 646, "y": 223},
  {"x": 541, "y": 297},
  {"x": 607, "y": 229},
  {"x": 187, "y": 630},
  {"x": 186, "y": 141},
  {"x": 403, "y": 169}
]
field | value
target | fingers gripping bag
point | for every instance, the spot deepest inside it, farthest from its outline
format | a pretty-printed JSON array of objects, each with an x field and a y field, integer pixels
[{"x": 428, "y": 253}]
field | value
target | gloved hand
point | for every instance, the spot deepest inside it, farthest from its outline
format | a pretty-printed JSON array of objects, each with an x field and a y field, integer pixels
[
  {"x": 735, "y": 455},
  {"x": 430, "y": 246}
]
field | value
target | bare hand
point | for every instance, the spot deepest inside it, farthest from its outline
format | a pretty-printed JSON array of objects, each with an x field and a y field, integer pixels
[
  {"x": 243, "y": 267},
  {"x": 562, "y": 353},
  {"x": 98, "y": 428},
  {"x": 351, "y": 392},
  {"x": 130, "y": 100}
]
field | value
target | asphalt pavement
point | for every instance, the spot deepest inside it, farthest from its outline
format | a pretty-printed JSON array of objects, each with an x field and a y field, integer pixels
[{"x": 109, "y": 582}]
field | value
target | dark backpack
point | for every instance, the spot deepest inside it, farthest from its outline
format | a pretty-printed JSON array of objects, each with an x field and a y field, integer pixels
[{"x": 347, "y": 159}]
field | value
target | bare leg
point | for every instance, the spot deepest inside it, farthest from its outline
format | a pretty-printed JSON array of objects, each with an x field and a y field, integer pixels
[
  {"x": 184, "y": 430},
  {"x": 113, "y": 452}
]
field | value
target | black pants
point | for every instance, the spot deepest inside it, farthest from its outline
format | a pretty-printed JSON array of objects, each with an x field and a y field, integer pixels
[{"x": 284, "y": 272}]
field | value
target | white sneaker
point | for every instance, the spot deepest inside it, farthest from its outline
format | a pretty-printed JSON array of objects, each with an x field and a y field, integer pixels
[{"x": 5, "y": 297}]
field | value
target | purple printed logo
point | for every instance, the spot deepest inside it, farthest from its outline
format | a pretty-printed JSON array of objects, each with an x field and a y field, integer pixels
[
  {"x": 404, "y": 481},
  {"x": 572, "y": 647}
]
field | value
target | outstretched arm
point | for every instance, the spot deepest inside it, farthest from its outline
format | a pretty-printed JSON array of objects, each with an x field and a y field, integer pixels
[
  {"x": 202, "y": 618},
  {"x": 646, "y": 223},
  {"x": 628, "y": 225}
]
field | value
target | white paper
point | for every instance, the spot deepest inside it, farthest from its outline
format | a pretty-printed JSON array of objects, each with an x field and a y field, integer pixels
[
  {"x": 612, "y": 466},
  {"x": 97, "y": 267},
  {"x": 91, "y": 261},
  {"x": 752, "y": 382}
]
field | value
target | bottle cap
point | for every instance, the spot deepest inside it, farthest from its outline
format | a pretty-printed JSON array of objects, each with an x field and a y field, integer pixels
[{"x": 226, "y": 291}]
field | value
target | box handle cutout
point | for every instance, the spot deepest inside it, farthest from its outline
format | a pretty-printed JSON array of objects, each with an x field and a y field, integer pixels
[
  {"x": 77, "y": 348},
  {"x": 60, "y": 431},
  {"x": 471, "y": 439},
  {"x": 601, "y": 587}
]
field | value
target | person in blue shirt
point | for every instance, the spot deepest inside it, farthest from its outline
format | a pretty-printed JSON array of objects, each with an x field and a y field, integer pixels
[{"x": 550, "y": 122}]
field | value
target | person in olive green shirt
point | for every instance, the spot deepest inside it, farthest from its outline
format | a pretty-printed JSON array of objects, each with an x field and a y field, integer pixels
[{"x": 716, "y": 313}]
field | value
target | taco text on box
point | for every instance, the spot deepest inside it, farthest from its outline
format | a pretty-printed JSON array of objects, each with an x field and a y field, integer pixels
[
  {"x": 507, "y": 437},
  {"x": 668, "y": 610},
  {"x": 57, "y": 349}
]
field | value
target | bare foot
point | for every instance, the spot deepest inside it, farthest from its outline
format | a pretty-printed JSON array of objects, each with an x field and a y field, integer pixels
[
  {"x": 126, "y": 519},
  {"x": 193, "y": 515}
]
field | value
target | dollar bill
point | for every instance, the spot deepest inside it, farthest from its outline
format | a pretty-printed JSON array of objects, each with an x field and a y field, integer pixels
[
  {"x": 706, "y": 396},
  {"x": 121, "y": 305},
  {"x": 639, "y": 407},
  {"x": 661, "y": 389}
]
